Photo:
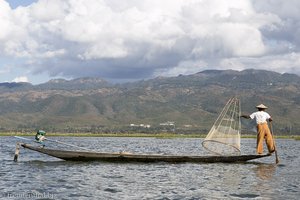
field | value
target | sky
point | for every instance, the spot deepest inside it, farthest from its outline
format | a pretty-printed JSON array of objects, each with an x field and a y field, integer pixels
[{"x": 128, "y": 40}]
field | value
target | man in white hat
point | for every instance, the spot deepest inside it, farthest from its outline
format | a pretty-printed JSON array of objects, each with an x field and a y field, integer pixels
[{"x": 263, "y": 132}]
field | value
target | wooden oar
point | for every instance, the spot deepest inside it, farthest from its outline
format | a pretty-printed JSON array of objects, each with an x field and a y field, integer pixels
[
  {"x": 272, "y": 133},
  {"x": 56, "y": 142},
  {"x": 22, "y": 138},
  {"x": 67, "y": 144}
]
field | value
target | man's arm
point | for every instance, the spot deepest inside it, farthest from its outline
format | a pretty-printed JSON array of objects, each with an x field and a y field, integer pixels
[
  {"x": 270, "y": 119},
  {"x": 246, "y": 116}
]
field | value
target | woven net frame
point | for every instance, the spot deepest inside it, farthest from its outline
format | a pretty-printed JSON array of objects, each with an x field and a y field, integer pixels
[{"x": 224, "y": 136}]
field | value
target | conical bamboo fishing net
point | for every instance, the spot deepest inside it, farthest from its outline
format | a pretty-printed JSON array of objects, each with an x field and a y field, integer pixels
[{"x": 224, "y": 136}]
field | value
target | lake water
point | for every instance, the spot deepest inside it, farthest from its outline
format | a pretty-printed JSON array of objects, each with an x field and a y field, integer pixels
[{"x": 38, "y": 176}]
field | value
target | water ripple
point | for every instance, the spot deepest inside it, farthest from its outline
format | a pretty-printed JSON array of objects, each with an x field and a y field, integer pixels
[{"x": 38, "y": 174}]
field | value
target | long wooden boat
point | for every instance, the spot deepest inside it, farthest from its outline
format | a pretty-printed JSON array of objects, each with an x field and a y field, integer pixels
[{"x": 145, "y": 158}]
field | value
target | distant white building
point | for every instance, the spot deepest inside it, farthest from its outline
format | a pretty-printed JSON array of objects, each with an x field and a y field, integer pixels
[
  {"x": 187, "y": 125},
  {"x": 168, "y": 123},
  {"x": 140, "y": 125}
]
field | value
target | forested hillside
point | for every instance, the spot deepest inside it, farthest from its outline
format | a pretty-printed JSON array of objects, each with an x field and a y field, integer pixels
[{"x": 183, "y": 104}]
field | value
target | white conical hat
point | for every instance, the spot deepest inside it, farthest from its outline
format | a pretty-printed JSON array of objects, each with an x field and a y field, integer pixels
[{"x": 262, "y": 106}]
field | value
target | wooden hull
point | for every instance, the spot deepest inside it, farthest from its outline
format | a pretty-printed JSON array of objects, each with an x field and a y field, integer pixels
[{"x": 145, "y": 158}]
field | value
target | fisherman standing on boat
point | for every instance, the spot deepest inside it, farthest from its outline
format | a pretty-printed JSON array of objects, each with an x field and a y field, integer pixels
[
  {"x": 40, "y": 137},
  {"x": 263, "y": 132}
]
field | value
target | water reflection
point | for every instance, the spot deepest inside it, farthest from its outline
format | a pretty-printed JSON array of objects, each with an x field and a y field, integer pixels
[{"x": 265, "y": 171}]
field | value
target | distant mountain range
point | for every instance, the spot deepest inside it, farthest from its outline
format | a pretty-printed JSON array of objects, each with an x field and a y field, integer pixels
[{"x": 184, "y": 104}]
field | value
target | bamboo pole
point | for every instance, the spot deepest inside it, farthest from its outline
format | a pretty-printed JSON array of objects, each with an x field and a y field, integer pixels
[
  {"x": 17, "y": 151},
  {"x": 275, "y": 148}
]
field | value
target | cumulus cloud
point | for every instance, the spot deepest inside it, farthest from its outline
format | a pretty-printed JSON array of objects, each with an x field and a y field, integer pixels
[
  {"x": 136, "y": 39},
  {"x": 20, "y": 79}
]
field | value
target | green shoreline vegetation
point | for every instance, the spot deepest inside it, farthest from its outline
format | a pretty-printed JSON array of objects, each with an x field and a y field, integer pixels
[{"x": 154, "y": 135}]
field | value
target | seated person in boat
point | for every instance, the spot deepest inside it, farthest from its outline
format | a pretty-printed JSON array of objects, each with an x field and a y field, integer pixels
[
  {"x": 40, "y": 137},
  {"x": 263, "y": 132}
]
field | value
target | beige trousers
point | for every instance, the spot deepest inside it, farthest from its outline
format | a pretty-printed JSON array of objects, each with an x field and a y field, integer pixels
[{"x": 263, "y": 132}]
